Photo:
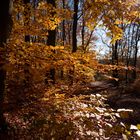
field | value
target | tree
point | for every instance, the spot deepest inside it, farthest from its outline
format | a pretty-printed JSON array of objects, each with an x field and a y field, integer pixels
[
  {"x": 51, "y": 38},
  {"x": 27, "y": 38},
  {"x": 63, "y": 25},
  {"x": 74, "y": 30},
  {"x": 5, "y": 29}
]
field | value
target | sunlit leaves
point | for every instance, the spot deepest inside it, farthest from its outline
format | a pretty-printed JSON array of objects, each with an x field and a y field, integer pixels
[
  {"x": 76, "y": 117},
  {"x": 61, "y": 113},
  {"x": 111, "y": 14}
]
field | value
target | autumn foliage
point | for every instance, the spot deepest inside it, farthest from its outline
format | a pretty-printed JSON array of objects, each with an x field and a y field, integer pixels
[{"x": 47, "y": 93}]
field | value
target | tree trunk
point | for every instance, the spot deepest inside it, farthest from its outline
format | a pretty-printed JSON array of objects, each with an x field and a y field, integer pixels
[
  {"x": 115, "y": 61},
  {"x": 83, "y": 27},
  {"x": 51, "y": 38},
  {"x": 128, "y": 51},
  {"x": 83, "y": 34},
  {"x": 27, "y": 39},
  {"x": 63, "y": 37},
  {"x": 136, "y": 52},
  {"x": 74, "y": 33},
  {"x": 63, "y": 25},
  {"x": 5, "y": 29},
  {"x": 74, "y": 37}
]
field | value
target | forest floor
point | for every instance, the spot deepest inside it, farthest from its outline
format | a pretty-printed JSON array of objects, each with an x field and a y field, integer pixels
[{"x": 81, "y": 114}]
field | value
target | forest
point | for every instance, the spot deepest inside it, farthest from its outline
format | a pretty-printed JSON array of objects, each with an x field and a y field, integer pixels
[{"x": 69, "y": 70}]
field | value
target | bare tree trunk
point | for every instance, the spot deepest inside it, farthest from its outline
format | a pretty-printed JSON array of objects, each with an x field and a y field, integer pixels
[
  {"x": 69, "y": 33},
  {"x": 83, "y": 27},
  {"x": 83, "y": 33},
  {"x": 74, "y": 38},
  {"x": 88, "y": 41},
  {"x": 115, "y": 61},
  {"x": 5, "y": 29},
  {"x": 136, "y": 51},
  {"x": 74, "y": 31},
  {"x": 63, "y": 37},
  {"x": 127, "y": 55},
  {"x": 63, "y": 25}
]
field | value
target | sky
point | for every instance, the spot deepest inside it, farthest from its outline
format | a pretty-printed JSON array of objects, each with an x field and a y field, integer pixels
[{"x": 102, "y": 43}]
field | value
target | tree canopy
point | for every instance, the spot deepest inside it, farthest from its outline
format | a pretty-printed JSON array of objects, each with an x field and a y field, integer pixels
[{"x": 52, "y": 83}]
